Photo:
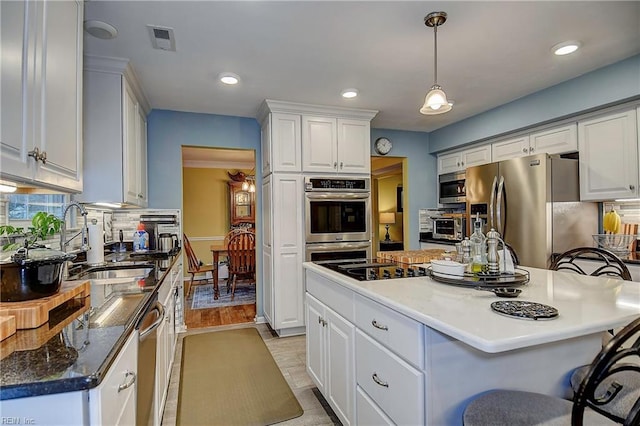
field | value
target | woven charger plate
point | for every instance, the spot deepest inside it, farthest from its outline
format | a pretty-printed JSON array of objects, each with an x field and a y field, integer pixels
[{"x": 524, "y": 310}]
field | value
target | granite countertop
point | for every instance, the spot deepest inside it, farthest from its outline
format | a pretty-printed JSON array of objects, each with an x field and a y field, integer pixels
[
  {"x": 75, "y": 348},
  {"x": 586, "y": 305}
]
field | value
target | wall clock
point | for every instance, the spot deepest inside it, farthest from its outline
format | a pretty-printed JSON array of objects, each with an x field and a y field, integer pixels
[{"x": 383, "y": 146}]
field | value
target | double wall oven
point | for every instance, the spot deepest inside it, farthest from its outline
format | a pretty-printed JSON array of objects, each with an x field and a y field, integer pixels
[{"x": 337, "y": 218}]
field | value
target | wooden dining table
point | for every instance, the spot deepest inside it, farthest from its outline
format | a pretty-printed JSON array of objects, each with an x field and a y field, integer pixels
[{"x": 217, "y": 250}]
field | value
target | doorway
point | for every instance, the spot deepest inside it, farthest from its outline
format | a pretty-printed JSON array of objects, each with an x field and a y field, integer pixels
[
  {"x": 218, "y": 194},
  {"x": 389, "y": 202}
]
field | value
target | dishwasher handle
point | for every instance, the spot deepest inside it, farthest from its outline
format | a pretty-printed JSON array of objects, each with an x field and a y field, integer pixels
[{"x": 159, "y": 308}]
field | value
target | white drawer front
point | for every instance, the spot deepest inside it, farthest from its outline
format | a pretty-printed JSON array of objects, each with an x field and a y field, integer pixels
[
  {"x": 397, "y": 332},
  {"x": 338, "y": 298},
  {"x": 395, "y": 386},
  {"x": 369, "y": 413}
]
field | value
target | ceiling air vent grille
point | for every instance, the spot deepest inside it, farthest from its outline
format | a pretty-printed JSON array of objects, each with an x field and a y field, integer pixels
[{"x": 162, "y": 38}]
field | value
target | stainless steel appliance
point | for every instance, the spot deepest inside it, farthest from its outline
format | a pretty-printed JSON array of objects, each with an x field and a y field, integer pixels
[
  {"x": 335, "y": 251},
  {"x": 337, "y": 209},
  {"x": 450, "y": 228},
  {"x": 155, "y": 224},
  {"x": 534, "y": 203},
  {"x": 375, "y": 269},
  {"x": 167, "y": 242},
  {"x": 452, "y": 188},
  {"x": 146, "y": 379}
]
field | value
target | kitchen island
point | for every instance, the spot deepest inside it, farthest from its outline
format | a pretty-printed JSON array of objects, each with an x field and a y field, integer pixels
[
  {"x": 417, "y": 350},
  {"x": 77, "y": 359}
]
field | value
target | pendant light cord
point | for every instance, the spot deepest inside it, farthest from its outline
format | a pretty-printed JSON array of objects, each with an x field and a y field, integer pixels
[{"x": 435, "y": 53}]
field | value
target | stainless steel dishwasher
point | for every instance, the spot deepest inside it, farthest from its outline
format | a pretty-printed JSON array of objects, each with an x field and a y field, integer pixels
[{"x": 150, "y": 321}]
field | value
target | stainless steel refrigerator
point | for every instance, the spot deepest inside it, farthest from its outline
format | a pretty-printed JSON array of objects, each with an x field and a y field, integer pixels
[{"x": 534, "y": 203}]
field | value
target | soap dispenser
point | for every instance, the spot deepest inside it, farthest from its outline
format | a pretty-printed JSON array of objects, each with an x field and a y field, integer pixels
[{"x": 140, "y": 239}]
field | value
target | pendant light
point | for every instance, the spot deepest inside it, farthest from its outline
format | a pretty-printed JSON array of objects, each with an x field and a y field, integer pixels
[{"x": 436, "y": 100}]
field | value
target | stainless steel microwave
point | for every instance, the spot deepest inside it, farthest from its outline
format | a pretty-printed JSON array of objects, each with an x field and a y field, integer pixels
[{"x": 452, "y": 188}]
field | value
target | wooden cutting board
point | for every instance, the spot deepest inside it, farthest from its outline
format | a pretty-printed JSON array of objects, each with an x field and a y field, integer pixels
[
  {"x": 34, "y": 313},
  {"x": 411, "y": 256},
  {"x": 7, "y": 326},
  {"x": 631, "y": 229}
]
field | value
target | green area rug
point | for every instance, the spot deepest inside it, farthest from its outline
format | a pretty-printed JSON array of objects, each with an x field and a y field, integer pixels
[{"x": 230, "y": 378}]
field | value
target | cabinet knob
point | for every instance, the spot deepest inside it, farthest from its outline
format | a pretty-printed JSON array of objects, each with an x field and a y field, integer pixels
[
  {"x": 632, "y": 187},
  {"x": 458, "y": 164},
  {"x": 335, "y": 165},
  {"x": 376, "y": 379},
  {"x": 140, "y": 196},
  {"x": 43, "y": 157},
  {"x": 341, "y": 164},
  {"x": 531, "y": 149},
  {"x": 35, "y": 153},
  {"x": 379, "y": 326},
  {"x": 128, "y": 384},
  {"x": 524, "y": 150},
  {"x": 462, "y": 163}
]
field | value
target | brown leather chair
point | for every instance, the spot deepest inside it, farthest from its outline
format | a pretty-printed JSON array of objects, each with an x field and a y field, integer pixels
[
  {"x": 241, "y": 254},
  {"x": 195, "y": 265}
]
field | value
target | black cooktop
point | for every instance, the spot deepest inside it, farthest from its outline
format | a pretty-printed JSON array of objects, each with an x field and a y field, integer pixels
[{"x": 375, "y": 269}]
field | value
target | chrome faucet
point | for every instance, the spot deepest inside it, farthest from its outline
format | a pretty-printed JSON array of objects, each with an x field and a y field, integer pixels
[{"x": 64, "y": 242}]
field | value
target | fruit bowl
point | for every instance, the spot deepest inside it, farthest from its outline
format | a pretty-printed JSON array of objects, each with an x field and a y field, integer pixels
[{"x": 617, "y": 243}]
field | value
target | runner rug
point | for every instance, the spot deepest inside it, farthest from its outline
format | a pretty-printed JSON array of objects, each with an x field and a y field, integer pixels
[
  {"x": 203, "y": 296},
  {"x": 230, "y": 378}
]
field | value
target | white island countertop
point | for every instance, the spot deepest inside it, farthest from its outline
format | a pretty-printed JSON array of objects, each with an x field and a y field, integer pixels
[{"x": 586, "y": 305}]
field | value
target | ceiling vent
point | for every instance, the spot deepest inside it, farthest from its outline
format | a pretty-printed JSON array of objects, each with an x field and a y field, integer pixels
[{"x": 162, "y": 38}]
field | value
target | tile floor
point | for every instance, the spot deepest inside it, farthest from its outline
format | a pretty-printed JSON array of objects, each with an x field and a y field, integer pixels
[{"x": 289, "y": 353}]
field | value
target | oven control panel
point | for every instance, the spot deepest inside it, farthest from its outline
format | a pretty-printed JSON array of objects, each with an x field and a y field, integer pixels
[{"x": 336, "y": 184}]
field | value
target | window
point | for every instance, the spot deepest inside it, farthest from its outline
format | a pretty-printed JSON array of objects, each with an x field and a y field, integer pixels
[{"x": 22, "y": 207}]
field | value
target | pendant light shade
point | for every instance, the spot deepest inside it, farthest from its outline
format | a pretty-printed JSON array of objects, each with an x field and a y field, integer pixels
[{"x": 436, "y": 101}]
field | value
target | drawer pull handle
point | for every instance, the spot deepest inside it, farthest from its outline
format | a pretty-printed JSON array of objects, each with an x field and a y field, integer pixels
[
  {"x": 381, "y": 327},
  {"x": 129, "y": 383},
  {"x": 375, "y": 378}
]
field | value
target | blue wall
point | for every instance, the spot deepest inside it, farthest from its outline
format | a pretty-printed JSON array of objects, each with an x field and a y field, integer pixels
[
  {"x": 610, "y": 84},
  {"x": 422, "y": 172}
]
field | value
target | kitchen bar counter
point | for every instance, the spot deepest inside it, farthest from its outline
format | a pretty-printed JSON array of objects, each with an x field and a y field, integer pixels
[
  {"x": 586, "y": 305},
  {"x": 77, "y": 357}
]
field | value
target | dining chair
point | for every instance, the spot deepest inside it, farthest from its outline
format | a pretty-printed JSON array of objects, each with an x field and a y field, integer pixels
[
  {"x": 601, "y": 398},
  {"x": 610, "y": 263},
  {"x": 241, "y": 253},
  {"x": 196, "y": 266}
]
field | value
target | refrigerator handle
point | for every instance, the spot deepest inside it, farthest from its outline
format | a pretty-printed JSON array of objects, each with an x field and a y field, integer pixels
[
  {"x": 499, "y": 226},
  {"x": 491, "y": 203}
]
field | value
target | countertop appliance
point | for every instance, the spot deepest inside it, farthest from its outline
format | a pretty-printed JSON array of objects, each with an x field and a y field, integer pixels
[
  {"x": 375, "y": 269},
  {"x": 534, "y": 203},
  {"x": 450, "y": 228}
]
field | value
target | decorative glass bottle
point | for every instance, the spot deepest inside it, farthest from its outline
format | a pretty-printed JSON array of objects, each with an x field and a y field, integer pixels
[{"x": 478, "y": 247}]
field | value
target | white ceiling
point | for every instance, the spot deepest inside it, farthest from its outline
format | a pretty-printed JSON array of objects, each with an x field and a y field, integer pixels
[{"x": 489, "y": 53}]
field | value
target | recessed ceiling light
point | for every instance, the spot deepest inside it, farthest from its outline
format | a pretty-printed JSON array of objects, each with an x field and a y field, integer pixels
[
  {"x": 566, "y": 47},
  {"x": 229, "y": 78},
  {"x": 349, "y": 93},
  {"x": 100, "y": 29}
]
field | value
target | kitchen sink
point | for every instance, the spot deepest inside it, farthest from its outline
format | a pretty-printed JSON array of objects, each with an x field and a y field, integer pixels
[{"x": 109, "y": 274}]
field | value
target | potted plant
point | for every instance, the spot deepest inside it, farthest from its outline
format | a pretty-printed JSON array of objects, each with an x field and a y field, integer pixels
[
  {"x": 43, "y": 225},
  {"x": 33, "y": 271}
]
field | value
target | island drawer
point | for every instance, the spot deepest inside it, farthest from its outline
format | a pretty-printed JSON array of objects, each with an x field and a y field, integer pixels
[
  {"x": 397, "y": 332},
  {"x": 335, "y": 296},
  {"x": 395, "y": 386},
  {"x": 368, "y": 412}
]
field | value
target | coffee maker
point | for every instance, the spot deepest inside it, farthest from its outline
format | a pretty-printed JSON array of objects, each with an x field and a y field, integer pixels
[{"x": 157, "y": 224}]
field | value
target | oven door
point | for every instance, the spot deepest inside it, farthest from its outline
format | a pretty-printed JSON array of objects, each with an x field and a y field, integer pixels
[
  {"x": 331, "y": 217},
  {"x": 337, "y": 251}
]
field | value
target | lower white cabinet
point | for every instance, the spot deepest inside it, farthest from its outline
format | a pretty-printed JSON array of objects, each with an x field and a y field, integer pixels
[
  {"x": 330, "y": 357},
  {"x": 113, "y": 402},
  {"x": 368, "y": 411}
]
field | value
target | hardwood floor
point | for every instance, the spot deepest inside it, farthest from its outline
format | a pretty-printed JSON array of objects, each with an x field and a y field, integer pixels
[{"x": 225, "y": 315}]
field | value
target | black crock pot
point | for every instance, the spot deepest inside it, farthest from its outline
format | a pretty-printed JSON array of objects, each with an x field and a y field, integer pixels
[{"x": 32, "y": 274}]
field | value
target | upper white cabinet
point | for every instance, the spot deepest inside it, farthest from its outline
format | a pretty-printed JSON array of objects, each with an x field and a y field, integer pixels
[
  {"x": 41, "y": 118},
  {"x": 281, "y": 144},
  {"x": 460, "y": 160},
  {"x": 115, "y": 133},
  {"x": 609, "y": 156},
  {"x": 557, "y": 140},
  {"x": 336, "y": 145}
]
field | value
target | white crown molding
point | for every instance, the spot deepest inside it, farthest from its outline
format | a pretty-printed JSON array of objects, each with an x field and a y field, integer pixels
[{"x": 270, "y": 105}]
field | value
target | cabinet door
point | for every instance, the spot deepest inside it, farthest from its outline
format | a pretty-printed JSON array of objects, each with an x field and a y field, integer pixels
[
  {"x": 286, "y": 143},
  {"x": 266, "y": 212},
  {"x": 316, "y": 342},
  {"x": 319, "y": 144},
  {"x": 510, "y": 148},
  {"x": 130, "y": 147},
  {"x": 609, "y": 157},
  {"x": 555, "y": 141},
  {"x": 60, "y": 137},
  {"x": 340, "y": 366},
  {"x": 14, "y": 144},
  {"x": 267, "y": 285},
  {"x": 141, "y": 155},
  {"x": 265, "y": 146},
  {"x": 448, "y": 163},
  {"x": 354, "y": 146},
  {"x": 476, "y": 156}
]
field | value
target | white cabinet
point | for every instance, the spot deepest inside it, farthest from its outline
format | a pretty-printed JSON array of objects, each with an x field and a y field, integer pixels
[
  {"x": 460, "y": 160},
  {"x": 609, "y": 156},
  {"x": 41, "y": 118},
  {"x": 283, "y": 276},
  {"x": 113, "y": 402},
  {"x": 557, "y": 140},
  {"x": 336, "y": 145},
  {"x": 115, "y": 134},
  {"x": 281, "y": 144}
]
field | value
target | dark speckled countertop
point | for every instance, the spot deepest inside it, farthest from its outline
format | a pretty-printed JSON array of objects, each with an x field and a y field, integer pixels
[{"x": 75, "y": 348}]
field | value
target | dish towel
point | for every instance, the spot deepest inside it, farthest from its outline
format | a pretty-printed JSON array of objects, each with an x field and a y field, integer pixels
[{"x": 506, "y": 262}]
